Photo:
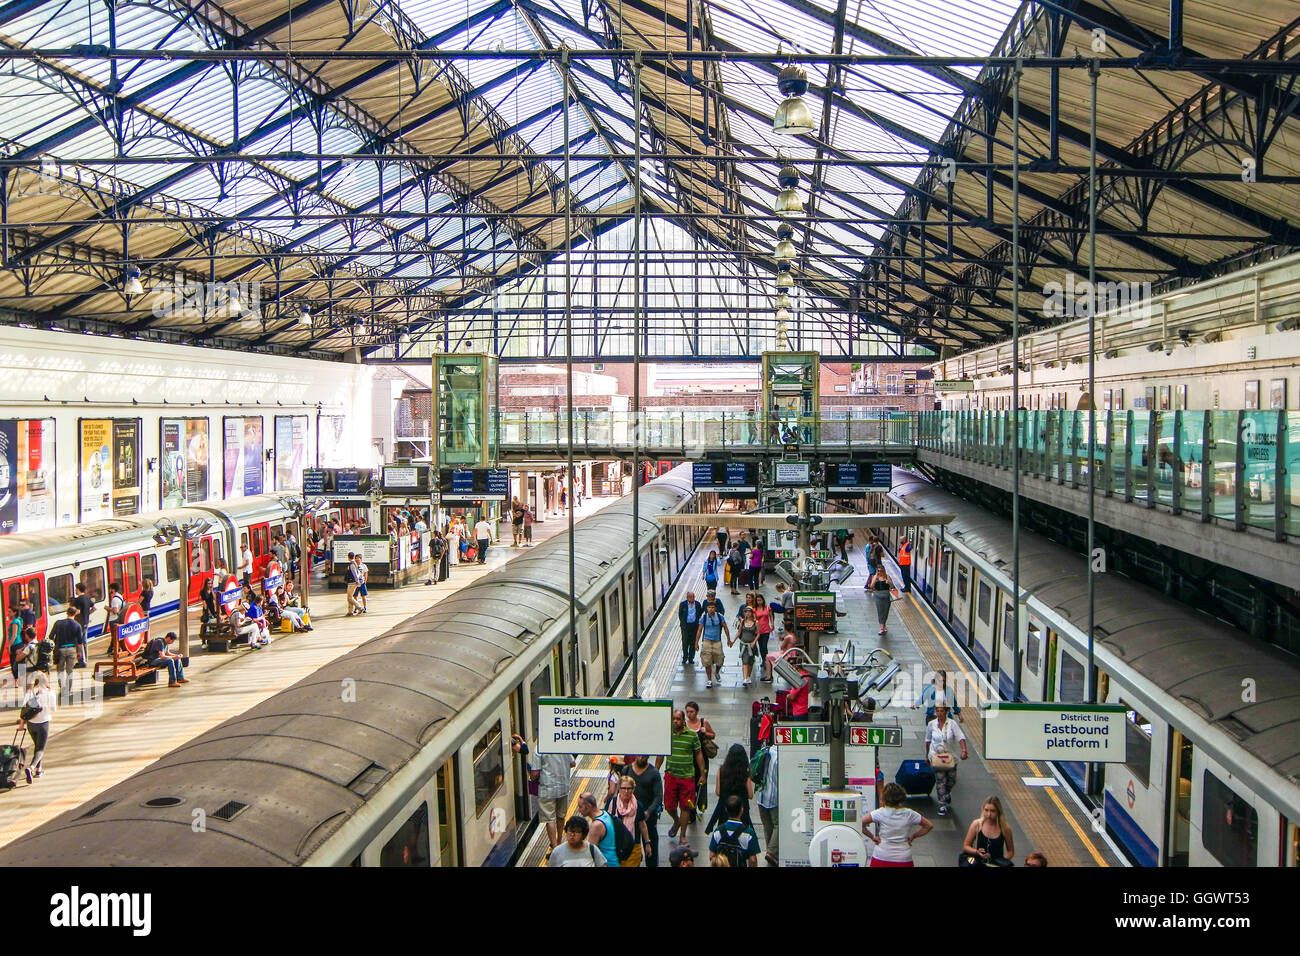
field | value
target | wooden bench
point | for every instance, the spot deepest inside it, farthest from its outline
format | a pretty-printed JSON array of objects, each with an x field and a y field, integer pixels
[
  {"x": 220, "y": 636},
  {"x": 124, "y": 675}
]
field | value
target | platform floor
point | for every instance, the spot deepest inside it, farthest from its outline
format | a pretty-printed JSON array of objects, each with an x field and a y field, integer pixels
[
  {"x": 1043, "y": 818},
  {"x": 97, "y": 744}
]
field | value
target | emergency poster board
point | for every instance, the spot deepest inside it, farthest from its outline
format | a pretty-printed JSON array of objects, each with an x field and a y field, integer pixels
[
  {"x": 27, "y": 475},
  {"x": 184, "y": 474},
  {"x": 603, "y": 725},
  {"x": 108, "y": 468},
  {"x": 814, "y": 610},
  {"x": 802, "y": 770}
]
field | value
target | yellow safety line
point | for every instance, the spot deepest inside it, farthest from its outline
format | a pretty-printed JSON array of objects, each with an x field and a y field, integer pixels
[{"x": 961, "y": 666}]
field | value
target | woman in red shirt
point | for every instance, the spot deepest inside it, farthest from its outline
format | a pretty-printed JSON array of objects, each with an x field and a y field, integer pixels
[
  {"x": 798, "y": 699},
  {"x": 764, "y": 615}
]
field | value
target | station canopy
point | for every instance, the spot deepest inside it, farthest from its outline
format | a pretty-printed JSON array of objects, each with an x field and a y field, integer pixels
[{"x": 318, "y": 176}]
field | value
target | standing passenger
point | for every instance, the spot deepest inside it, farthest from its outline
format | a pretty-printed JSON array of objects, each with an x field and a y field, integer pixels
[
  {"x": 942, "y": 736},
  {"x": 68, "y": 638},
  {"x": 483, "y": 537},
  {"x": 894, "y": 831},
  {"x": 553, "y": 792},
  {"x": 905, "y": 563},
  {"x": 352, "y": 580},
  {"x": 882, "y": 592},
  {"x": 245, "y": 563},
  {"x": 650, "y": 794},
  {"x": 528, "y": 527}
]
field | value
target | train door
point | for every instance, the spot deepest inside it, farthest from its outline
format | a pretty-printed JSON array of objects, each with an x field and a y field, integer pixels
[
  {"x": 962, "y": 605},
  {"x": 518, "y": 767},
  {"x": 24, "y": 587},
  {"x": 943, "y": 582},
  {"x": 1008, "y": 655},
  {"x": 1031, "y": 670},
  {"x": 984, "y": 625},
  {"x": 616, "y": 636},
  {"x": 557, "y": 669},
  {"x": 922, "y": 563},
  {"x": 629, "y": 631},
  {"x": 1049, "y": 689},
  {"x": 259, "y": 539},
  {"x": 1179, "y": 794},
  {"x": 124, "y": 571},
  {"x": 595, "y": 655},
  {"x": 449, "y": 853},
  {"x": 199, "y": 555}
]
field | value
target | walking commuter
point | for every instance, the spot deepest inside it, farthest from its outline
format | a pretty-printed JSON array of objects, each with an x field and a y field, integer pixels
[
  {"x": 711, "y": 571},
  {"x": 766, "y": 791},
  {"x": 722, "y": 540},
  {"x": 882, "y": 593},
  {"x": 483, "y": 536},
  {"x": 453, "y": 542},
  {"x": 1036, "y": 859},
  {"x": 517, "y": 522},
  {"x": 938, "y": 689},
  {"x": 649, "y": 794},
  {"x": 707, "y": 746},
  {"x": 576, "y": 851},
  {"x": 553, "y": 792},
  {"x": 763, "y": 614},
  {"x": 281, "y": 552},
  {"x": 989, "y": 838},
  {"x": 437, "y": 556},
  {"x": 709, "y": 642},
  {"x": 363, "y": 575},
  {"x": 893, "y": 827},
  {"x": 352, "y": 580},
  {"x": 905, "y": 563},
  {"x": 22, "y": 653},
  {"x": 842, "y": 542},
  {"x": 788, "y": 644},
  {"x": 756, "y": 565},
  {"x": 245, "y": 563},
  {"x": 682, "y": 856},
  {"x": 734, "y": 780},
  {"x": 875, "y": 554},
  {"x": 747, "y": 635},
  {"x": 159, "y": 654},
  {"x": 735, "y": 839},
  {"x": 712, "y": 595},
  {"x": 679, "y": 775},
  {"x": 68, "y": 638},
  {"x": 689, "y": 613},
  {"x": 600, "y": 828},
  {"x": 628, "y": 810},
  {"x": 39, "y": 706},
  {"x": 735, "y": 566},
  {"x": 942, "y": 737}
]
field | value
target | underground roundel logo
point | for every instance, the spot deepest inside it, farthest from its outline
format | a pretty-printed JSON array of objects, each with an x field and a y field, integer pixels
[{"x": 1131, "y": 793}]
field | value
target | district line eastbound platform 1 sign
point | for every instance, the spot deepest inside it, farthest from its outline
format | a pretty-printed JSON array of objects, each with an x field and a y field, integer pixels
[
  {"x": 1090, "y": 732},
  {"x": 604, "y": 725}
]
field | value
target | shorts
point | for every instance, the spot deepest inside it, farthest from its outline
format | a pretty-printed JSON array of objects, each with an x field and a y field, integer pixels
[
  {"x": 551, "y": 808},
  {"x": 528, "y": 532},
  {"x": 678, "y": 792},
  {"x": 361, "y": 590},
  {"x": 711, "y": 653}
]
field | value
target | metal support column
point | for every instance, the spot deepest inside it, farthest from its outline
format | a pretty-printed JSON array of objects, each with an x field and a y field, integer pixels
[
  {"x": 1015, "y": 377},
  {"x": 636, "y": 376}
]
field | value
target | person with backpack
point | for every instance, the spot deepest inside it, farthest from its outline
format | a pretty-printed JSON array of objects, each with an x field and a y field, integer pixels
[
  {"x": 711, "y": 570},
  {"x": 733, "y": 841},
  {"x": 736, "y": 565},
  {"x": 631, "y": 834},
  {"x": 601, "y": 830},
  {"x": 575, "y": 850},
  {"x": 763, "y": 770}
]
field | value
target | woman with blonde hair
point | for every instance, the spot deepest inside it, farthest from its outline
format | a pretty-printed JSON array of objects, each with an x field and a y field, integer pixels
[
  {"x": 988, "y": 840},
  {"x": 38, "y": 708},
  {"x": 624, "y": 806}
]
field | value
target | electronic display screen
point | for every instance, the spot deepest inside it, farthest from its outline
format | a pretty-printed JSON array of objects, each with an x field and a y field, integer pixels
[
  {"x": 474, "y": 484},
  {"x": 791, "y": 473},
  {"x": 735, "y": 477},
  {"x": 854, "y": 478}
]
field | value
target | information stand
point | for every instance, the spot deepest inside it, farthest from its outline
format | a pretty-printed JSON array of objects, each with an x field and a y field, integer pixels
[{"x": 803, "y": 767}]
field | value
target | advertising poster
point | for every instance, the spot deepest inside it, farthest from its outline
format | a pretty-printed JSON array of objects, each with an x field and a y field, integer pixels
[
  {"x": 333, "y": 454},
  {"x": 8, "y": 477},
  {"x": 290, "y": 451},
  {"x": 184, "y": 478},
  {"x": 253, "y": 456},
  {"x": 126, "y": 467},
  {"x": 96, "y": 469}
]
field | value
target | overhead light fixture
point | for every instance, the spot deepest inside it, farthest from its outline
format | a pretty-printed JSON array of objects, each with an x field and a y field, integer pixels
[
  {"x": 49, "y": 169},
  {"x": 133, "y": 285},
  {"x": 782, "y": 301},
  {"x": 793, "y": 118},
  {"x": 784, "y": 277},
  {"x": 304, "y": 315},
  {"x": 785, "y": 251},
  {"x": 1049, "y": 365},
  {"x": 788, "y": 203},
  {"x": 782, "y": 315},
  {"x": 404, "y": 338},
  {"x": 1214, "y": 335}
]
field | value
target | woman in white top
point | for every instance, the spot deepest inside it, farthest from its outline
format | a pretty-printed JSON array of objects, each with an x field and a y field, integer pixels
[
  {"x": 40, "y": 696},
  {"x": 895, "y": 828},
  {"x": 942, "y": 738},
  {"x": 453, "y": 542}
]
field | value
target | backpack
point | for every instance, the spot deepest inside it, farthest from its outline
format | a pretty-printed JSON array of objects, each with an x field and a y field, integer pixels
[
  {"x": 624, "y": 842},
  {"x": 294, "y": 550},
  {"x": 734, "y": 560},
  {"x": 44, "y": 655},
  {"x": 758, "y": 766},
  {"x": 729, "y": 846},
  {"x": 710, "y": 570}
]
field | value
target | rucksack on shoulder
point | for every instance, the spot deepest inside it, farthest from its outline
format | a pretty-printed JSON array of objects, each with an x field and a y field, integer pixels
[
  {"x": 758, "y": 766},
  {"x": 624, "y": 842},
  {"x": 729, "y": 846}
]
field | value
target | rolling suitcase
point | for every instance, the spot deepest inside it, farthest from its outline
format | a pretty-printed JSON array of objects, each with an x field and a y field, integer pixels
[
  {"x": 916, "y": 777},
  {"x": 11, "y": 758}
]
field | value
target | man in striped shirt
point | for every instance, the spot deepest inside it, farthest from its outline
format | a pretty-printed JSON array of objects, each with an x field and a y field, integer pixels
[{"x": 679, "y": 775}]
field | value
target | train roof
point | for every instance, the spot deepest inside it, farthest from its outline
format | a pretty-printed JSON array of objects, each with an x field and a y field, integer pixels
[
  {"x": 1197, "y": 659},
  {"x": 277, "y": 780}
]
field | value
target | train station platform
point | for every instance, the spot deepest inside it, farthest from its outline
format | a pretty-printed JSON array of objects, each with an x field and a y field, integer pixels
[
  {"x": 98, "y": 743},
  {"x": 1042, "y": 813}
]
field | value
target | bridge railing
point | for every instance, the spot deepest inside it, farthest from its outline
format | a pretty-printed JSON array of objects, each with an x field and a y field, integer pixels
[
  {"x": 1238, "y": 467},
  {"x": 690, "y": 431}
]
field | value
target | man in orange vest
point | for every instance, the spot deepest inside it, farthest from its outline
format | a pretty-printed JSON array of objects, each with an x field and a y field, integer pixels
[{"x": 905, "y": 562}]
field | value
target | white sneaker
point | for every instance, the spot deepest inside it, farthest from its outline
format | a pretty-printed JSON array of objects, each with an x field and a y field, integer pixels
[{"x": 708, "y": 683}]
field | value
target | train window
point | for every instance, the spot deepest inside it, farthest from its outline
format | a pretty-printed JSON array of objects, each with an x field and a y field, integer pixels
[
  {"x": 1008, "y": 626},
  {"x": 93, "y": 579},
  {"x": 172, "y": 564},
  {"x": 59, "y": 588},
  {"x": 612, "y": 611},
  {"x": 489, "y": 768},
  {"x": 1229, "y": 825},
  {"x": 945, "y": 566},
  {"x": 539, "y": 688},
  {"x": 13, "y": 597},
  {"x": 1138, "y": 733},
  {"x": 963, "y": 581},
  {"x": 1071, "y": 680},
  {"x": 409, "y": 846},
  {"x": 1033, "y": 648},
  {"x": 149, "y": 567},
  {"x": 216, "y": 549},
  {"x": 593, "y": 637},
  {"x": 983, "y": 601}
]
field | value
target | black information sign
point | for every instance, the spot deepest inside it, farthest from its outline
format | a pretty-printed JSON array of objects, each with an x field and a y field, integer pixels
[
  {"x": 313, "y": 481},
  {"x": 738, "y": 478},
  {"x": 814, "y": 610},
  {"x": 474, "y": 484},
  {"x": 856, "y": 478}
]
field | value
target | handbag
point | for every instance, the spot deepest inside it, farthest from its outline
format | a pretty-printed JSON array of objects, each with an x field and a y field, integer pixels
[
  {"x": 709, "y": 746},
  {"x": 29, "y": 711},
  {"x": 942, "y": 761}
]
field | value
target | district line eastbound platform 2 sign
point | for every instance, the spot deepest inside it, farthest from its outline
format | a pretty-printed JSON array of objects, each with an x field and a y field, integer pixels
[
  {"x": 1089, "y": 732},
  {"x": 604, "y": 725}
]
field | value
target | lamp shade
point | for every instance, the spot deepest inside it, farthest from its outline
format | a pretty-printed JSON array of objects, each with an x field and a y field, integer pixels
[
  {"x": 787, "y": 177},
  {"x": 792, "y": 81},
  {"x": 304, "y": 316},
  {"x": 793, "y": 118},
  {"x": 785, "y": 250},
  {"x": 782, "y": 315},
  {"x": 788, "y": 203},
  {"x": 784, "y": 280},
  {"x": 785, "y": 230},
  {"x": 133, "y": 285},
  {"x": 782, "y": 301}
]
